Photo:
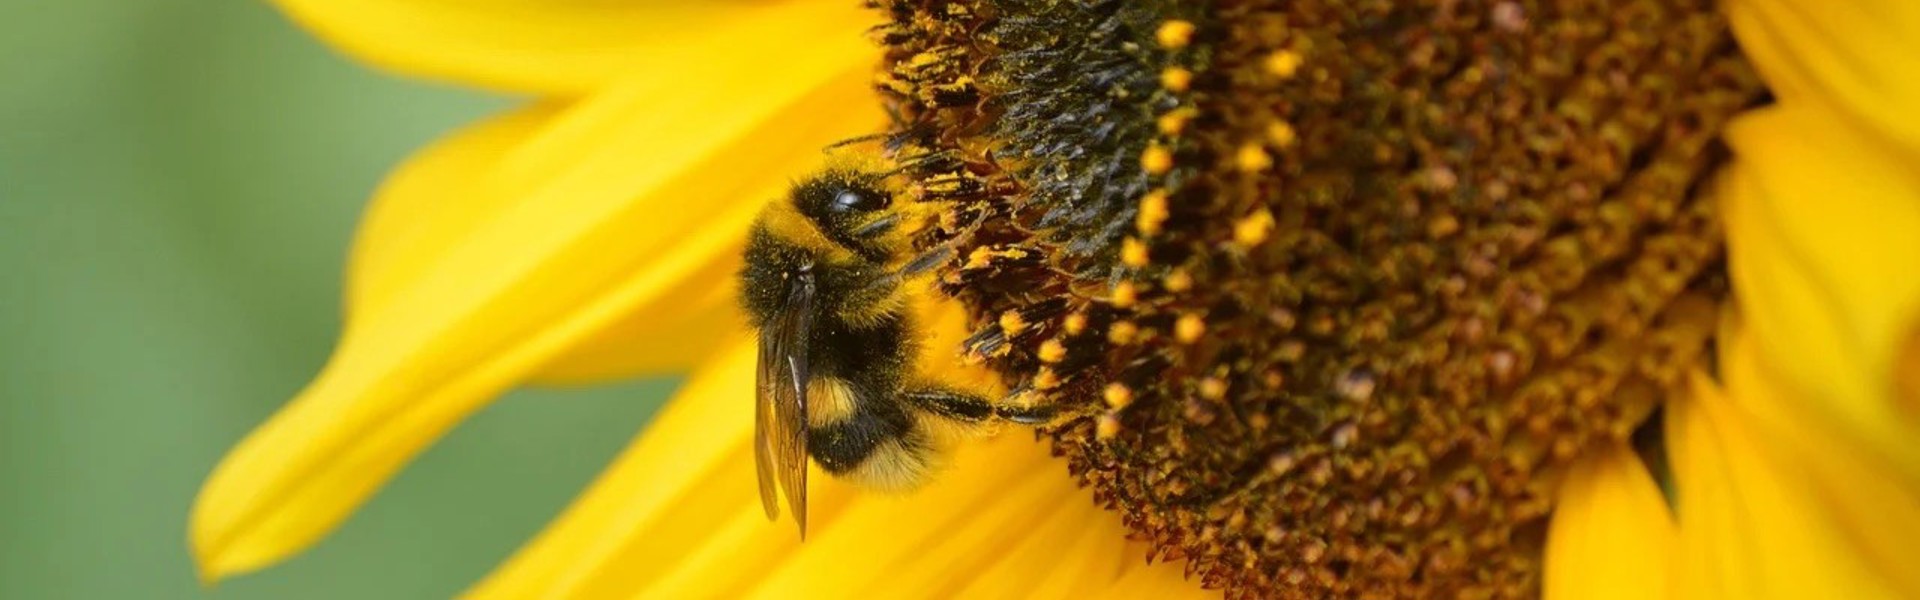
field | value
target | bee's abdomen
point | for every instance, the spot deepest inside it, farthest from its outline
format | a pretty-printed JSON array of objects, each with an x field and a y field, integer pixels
[{"x": 872, "y": 442}]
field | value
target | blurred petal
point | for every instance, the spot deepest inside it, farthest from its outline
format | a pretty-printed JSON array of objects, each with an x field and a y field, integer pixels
[
  {"x": 630, "y": 201},
  {"x": 1801, "y": 477},
  {"x": 568, "y": 47},
  {"x": 1823, "y": 211},
  {"x": 1781, "y": 513},
  {"x": 1853, "y": 59},
  {"x": 1611, "y": 535},
  {"x": 676, "y": 517}
]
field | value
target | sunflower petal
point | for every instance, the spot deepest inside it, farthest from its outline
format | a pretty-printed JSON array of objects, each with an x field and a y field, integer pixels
[
  {"x": 1823, "y": 231},
  {"x": 1611, "y": 535},
  {"x": 676, "y": 516},
  {"x": 1780, "y": 513},
  {"x": 615, "y": 205},
  {"x": 1854, "y": 59},
  {"x": 566, "y": 47}
]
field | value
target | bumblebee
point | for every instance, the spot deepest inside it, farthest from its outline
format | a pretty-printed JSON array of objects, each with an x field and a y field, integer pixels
[{"x": 843, "y": 378}]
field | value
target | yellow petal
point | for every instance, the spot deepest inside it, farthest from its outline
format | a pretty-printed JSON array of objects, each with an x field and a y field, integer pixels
[
  {"x": 1801, "y": 478},
  {"x": 1769, "y": 512},
  {"x": 1853, "y": 59},
  {"x": 568, "y": 47},
  {"x": 1823, "y": 232},
  {"x": 1611, "y": 535},
  {"x": 434, "y": 201},
  {"x": 676, "y": 516},
  {"x": 612, "y": 206}
]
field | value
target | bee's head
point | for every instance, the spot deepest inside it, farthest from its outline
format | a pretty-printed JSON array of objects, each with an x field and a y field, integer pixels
[
  {"x": 853, "y": 209},
  {"x": 838, "y": 228}
]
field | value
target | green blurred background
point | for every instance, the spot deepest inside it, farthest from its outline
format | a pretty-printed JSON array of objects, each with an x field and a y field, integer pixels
[{"x": 179, "y": 180}]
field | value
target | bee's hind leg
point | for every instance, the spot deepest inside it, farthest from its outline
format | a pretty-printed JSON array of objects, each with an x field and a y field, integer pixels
[{"x": 971, "y": 408}]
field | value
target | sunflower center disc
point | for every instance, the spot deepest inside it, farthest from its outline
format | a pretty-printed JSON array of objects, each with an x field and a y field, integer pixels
[{"x": 1333, "y": 289}]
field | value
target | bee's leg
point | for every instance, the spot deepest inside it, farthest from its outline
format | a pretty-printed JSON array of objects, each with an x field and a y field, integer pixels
[{"x": 969, "y": 408}]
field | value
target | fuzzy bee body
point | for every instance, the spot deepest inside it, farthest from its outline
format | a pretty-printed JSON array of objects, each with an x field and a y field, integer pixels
[{"x": 839, "y": 375}]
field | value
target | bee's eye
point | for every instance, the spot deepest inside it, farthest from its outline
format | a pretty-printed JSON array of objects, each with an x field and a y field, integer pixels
[{"x": 850, "y": 200}]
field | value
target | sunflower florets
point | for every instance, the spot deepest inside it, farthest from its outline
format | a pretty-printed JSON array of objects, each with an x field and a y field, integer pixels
[{"x": 1333, "y": 289}]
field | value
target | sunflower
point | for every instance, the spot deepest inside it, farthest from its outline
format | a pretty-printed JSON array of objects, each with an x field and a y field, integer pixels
[{"x": 1347, "y": 298}]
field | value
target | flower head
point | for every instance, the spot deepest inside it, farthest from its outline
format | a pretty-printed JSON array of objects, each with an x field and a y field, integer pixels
[{"x": 1342, "y": 298}]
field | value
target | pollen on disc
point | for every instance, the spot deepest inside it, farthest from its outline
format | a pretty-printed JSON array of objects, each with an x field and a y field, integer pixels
[
  {"x": 1174, "y": 34},
  {"x": 1189, "y": 328},
  {"x": 1123, "y": 332},
  {"x": 1283, "y": 63},
  {"x": 1075, "y": 323},
  {"x": 1153, "y": 213},
  {"x": 1133, "y": 253},
  {"x": 1124, "y": 294},
  {"x": 1281, "y": 134},
  {"x": 1012, "y": 323},
  {"x": 1108, "y": 427},
  {"x": 1252, "y": 230},
  {"x": 1176, "y": 79},
  {"x": 1252, "y": 158},
  {"x": 1046, "y": 379},
  {"x": 1178, "y": 281},
  {"x": 1213, "y": 388},
  {"x": 1174, "y": 122},
  {"x": 1052, "y": 351},
  {"x": 979, "y": 258},
  {"x": 1117, "y": 395},
  {"x": 1156, "y": 160}
]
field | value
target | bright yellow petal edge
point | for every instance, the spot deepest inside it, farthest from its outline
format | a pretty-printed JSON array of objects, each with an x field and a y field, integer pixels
[{"x": 627, "y": 205}]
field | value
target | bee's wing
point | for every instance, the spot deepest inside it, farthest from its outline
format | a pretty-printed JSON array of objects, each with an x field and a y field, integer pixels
[{"x": 780, "y": 427}]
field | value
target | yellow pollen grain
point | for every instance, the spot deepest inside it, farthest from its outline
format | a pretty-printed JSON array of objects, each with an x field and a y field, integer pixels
[
  {"x": 978, "y": 258},
  {"x": 1175, "y": 121},
  {"x": 1281, "y": 135},
  {"x": 1156, "y": 160},
  {"x": 1213, "y": 388},
  {"x": 1176, "y": 79},
  {"x": 893, "y": 83},
  {"x": 1045, "y": 379},
  {"x": 1052, "y": 351},
  {"x": 1012, "y": 323},
  {"x": 1133, "y": 253},
  {"x": 1174, "y": 34},
  {"x": 1252, "y": 158},
  {"x": 1178, "y": 281},
  {"x": 1252, "y": 230},
  {"x": 1122, "y": 332},
  {"x": 1107, "y": 428},
  {"x": 1117, "y": 396},
  {"x": 1283, "y": 63},
  {"x": 1153, "y": 212},
  {"x": 1189, "y": 329},
  {"x": 1075, "y": 323},
  {"x": 1124, "y": 295}
]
